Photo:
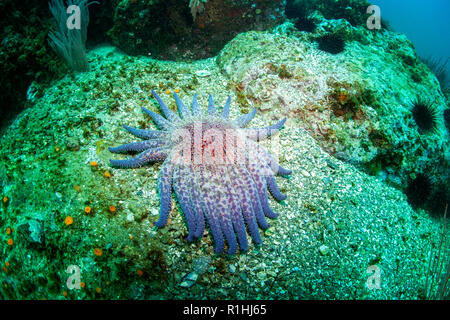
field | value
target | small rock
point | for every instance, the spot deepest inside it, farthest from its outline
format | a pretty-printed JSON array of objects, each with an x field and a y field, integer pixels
[
  {"x": 203, "y": 73},
  {"x": 261, "y": 275},
  {"x": 32, "y": 233},
  {"x": 232, "y": 268},
  {"x": 189, "y": 280},
  {"x": 73, "y": 144},
  {"x": 185, "y": 284},
  {"x": 331, "y": 164},
  {"x": 341, "y": 156},
  {"x": 305, "y": 173},
  {"x": 200, "y": 265},
  {"x": 191, "y": 277},
  {"x": 323, "y": 249},
  {"x": 154, "y": 211}
]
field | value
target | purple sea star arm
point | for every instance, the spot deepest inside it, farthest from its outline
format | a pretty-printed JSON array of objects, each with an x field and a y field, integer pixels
[
  {"x": 181, "y": 185},
  {"x": 261, "y": 186},
  {"x": 209, "y": 205},
  {"x": 159, "y": 120},
  {"x": 196, "y": 111},
  {"x": 165, "y": 194},
  {"x": 182, "y": 109},
  {"x": 246, "y": 207},
  {"x": 243, "y": 120},
  {"x": 260, "y": 134},
  {"x": 214, "y": 226},
  {"x": 250, "y": 219},
  {"x": 227, "y": 229},
  {"x": 273, "y": 188},
  {"x": 211, "y": 106},
  {"x": 223, "y": 212},
  {"x": 226, "y": 109},
  {"x": 151, "y": 155},
  {"x": 169, "y": 114},
  {"x": 137, "y": 146},
  {"x": 282, "y": 171},
  {"x": 196, "y": 202},
  {"x": 263, "y": 154},
  {"x": 145, "y": 134},
  {"x": 236, "y": 215},
  {"x": 239, "y": 227},
  {"x": 254, "y": 196}
]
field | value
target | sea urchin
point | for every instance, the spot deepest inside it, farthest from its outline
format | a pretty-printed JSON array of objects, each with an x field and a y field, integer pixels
[
  {"x": 219, "y": 174},
  {"x": 419, "y": 190},
  {"x": 305, "y": 24},
  {"x": 425, "y": 115},
  {"x": 331, "y": 43}
]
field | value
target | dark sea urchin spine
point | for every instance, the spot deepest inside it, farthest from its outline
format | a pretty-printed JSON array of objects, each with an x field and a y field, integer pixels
[
  {"x": 218, "y": 171},
  {"x": 425, "y": 115}
]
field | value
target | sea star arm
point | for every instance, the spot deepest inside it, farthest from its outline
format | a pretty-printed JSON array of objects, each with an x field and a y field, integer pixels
[
  {"x": 273, "y": 188},
  {"x": 263, "y": 154},
  {"x": 223, "y": 212},
  {"x": 137, "y": 146},
  {"x": 254, "y": 196},
  {"x": 169, "y": 114},
  {"x": 197, "y": 204},
  {"x": 165, "y": 194},
  {"x": 211, "y": 106},
  {"x": 145, "y": 134},
  {"x": 261, "y": 186},
  {"x": 181, "y": 186},
  {"x": 246, "y": 207},
  {"x": 226, "y": 109},
  {"x": 196, "y": 111},
  {"x": 260, "y": 134},
  {"x": 159, "y": 120},
  {"x": 182, "y": 109},
  {"x": 150, "y": 155},
  {"x": 236, "y": 216},
  {"x": 243, "y": 120},
  {"x": 209, "y": 201}
]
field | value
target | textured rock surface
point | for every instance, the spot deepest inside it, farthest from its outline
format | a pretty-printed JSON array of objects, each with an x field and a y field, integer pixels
[
  {"x": 168, "y": 30},
  {"x": 24, "y": 54},
  {"x": 355, "y": 104},
  {"x": 335, "y": 223}
]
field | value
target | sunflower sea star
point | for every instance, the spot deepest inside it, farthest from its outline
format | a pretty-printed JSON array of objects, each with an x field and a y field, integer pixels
[{"x": 219, "y": 174}]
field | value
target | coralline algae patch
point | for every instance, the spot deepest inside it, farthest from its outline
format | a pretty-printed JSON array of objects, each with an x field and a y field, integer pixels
[{"x": 335, "y": 223}]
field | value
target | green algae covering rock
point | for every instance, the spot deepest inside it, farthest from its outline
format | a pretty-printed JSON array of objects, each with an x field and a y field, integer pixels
[{"x": 347, "y": 115}]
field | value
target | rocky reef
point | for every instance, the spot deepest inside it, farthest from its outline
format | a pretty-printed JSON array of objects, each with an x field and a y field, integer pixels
[
  {"x": 350, "y": 139},
  {"x": 174, "y": 30}
]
